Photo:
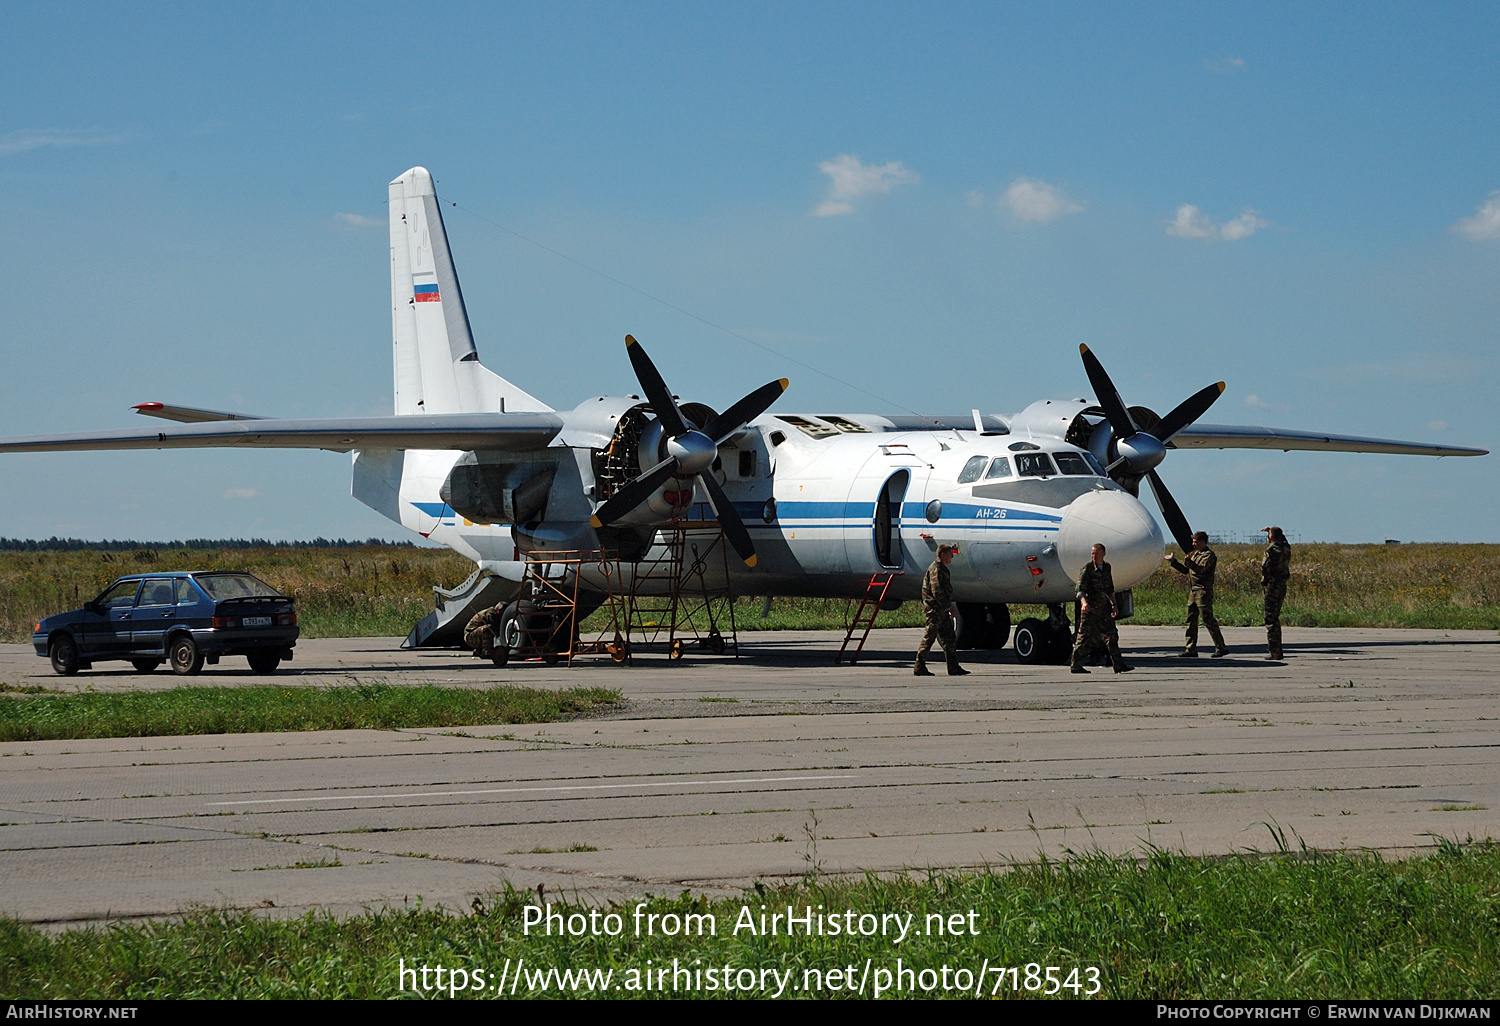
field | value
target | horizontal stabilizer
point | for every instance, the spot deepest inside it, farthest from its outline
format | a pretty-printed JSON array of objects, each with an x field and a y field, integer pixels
[
  {"x": 189, "y": 414},
  {"x": 1237, "y": 436},
  {"x": 502, "y": 432}
]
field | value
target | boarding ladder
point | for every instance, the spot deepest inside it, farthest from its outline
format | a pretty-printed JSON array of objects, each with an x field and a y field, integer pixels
[{"x": 865, "y": 614}]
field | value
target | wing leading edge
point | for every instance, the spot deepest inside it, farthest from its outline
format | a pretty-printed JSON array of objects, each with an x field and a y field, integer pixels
[
  {"x": 1236, "y": 436},
  {"x": 506, "y": 432}
]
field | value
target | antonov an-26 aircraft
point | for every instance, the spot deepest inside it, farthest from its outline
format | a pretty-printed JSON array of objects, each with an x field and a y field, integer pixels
[{"x": 813, "y": 504}]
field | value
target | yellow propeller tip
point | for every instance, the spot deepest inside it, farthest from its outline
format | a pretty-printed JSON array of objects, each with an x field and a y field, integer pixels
[
  {"x": 784, "y": 383},
  {"x": 1221, "y": 388},
  {"x": 751, "y": 562},
  {"x": 629, "y": 341},
  {"x": 595, "y": 522},
  {"x": 1083, "y": 347}
]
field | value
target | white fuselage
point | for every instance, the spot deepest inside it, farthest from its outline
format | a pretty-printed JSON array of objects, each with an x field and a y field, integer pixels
[{"x": 813, "y": 506}]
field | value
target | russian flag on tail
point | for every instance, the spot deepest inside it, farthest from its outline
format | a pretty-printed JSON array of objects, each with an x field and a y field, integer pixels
[{"x": 426, "y": 294}]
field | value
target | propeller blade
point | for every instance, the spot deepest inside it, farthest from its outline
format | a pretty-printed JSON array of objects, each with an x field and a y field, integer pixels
[
  {"x": 657, "y": 392},
  {"x": 1173, "y": 513},
  {"x": 729, "y": 520},
  {"x": 744, "y": 411},
  {"x": 1107, "y": 394},
  {"x": 633, "y": 494},
  {"x": 1186, "y": 412}
]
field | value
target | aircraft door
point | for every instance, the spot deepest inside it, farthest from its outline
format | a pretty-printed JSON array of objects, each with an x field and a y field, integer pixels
[{"x": 887, "y": 514}]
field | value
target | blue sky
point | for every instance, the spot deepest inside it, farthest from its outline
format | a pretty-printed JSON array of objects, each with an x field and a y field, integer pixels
[{"x": 934, "y": 204}]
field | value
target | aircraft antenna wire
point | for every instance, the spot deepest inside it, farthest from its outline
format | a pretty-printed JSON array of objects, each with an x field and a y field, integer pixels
[{"x": 685, "y": 313}]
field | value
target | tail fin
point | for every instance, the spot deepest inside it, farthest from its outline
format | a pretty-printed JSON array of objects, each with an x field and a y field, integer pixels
[{"x": 437, "y": 367}]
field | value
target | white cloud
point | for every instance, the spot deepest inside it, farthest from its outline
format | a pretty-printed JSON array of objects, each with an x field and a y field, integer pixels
[
  {"x": 1030, "y": 199},
  {"x": 1485, "y": 224},
  {"x": 1256, "y": 401},
  {"x": 39, "y": 138},
  {"x": 852, "y": 180},
  {"x": 1192, "y": 223},
  {"x": 356, "y": 221},
  {"x": 1224, "y": 65},
  {"x": 974, "y": 198},
  {"x": 241, "y": 493},
  {"x": 1437, "y": 425}
]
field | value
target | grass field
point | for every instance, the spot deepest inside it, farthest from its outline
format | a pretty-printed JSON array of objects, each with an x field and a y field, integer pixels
[
  {"x": 381, "y": 592},
  {"x": 1291, "y": 925},
  {"x": 243, "y": 710}
]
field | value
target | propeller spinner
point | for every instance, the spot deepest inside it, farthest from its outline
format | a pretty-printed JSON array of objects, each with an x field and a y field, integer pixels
[
  {"x": 690, "y": 451},
  {"x": 1130, "y": 453}
]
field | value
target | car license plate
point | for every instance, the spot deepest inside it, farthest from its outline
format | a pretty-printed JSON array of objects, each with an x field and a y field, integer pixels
[{"x": 256, "y": 621}]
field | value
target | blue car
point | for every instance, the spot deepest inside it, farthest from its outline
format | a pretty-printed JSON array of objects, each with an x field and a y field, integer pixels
[{"x": 182, "y": 618}]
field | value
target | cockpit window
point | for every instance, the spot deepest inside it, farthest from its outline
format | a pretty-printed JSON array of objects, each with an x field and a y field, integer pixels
[
  {"x": 1095, "y": 464},
  {"x": 1072, "y": 463},
  {"x": 972, "y": 469},
  {"x": 1000, "y": 468},
  {"x": 1033, "y": 464}
]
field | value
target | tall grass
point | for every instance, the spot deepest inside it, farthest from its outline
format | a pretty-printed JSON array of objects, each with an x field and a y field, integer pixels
[
  {"x": 378, "y": 591},
  {"x": 211, "y": 710},
  {"x": 1283, "y": 926}
]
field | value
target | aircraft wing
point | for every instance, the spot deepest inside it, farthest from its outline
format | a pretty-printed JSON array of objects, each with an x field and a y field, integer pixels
[
  {"x": 1236, "y": 436},
  {"x": 508, "y": 432}
]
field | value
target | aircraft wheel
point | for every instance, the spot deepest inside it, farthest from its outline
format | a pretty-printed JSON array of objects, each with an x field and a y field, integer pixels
[
  {"x": 1032, "y": 640},
  {"x": 968, "y": 624},
  {"x": 184, "y": 656},
  {"x": 508, "y": 632},
  {"x": 145, "y": 665},
  {"x": 997, "y": 625},
  {"x": 1060, "y": 649},
  {"x": 64, "y": 654}
]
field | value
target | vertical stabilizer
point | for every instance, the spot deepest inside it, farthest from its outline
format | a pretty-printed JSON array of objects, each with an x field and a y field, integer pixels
[{"x": 437, "y": 368}]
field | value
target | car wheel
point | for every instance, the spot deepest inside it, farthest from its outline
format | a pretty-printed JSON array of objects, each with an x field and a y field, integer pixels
[
  {"x": 264, "y": 662},
  {"x": 184, "y": 656},
  {"x": 64, "y": 655},
  {"x": 145, "y": 665},
  {"x": 1031, "y": 641}
]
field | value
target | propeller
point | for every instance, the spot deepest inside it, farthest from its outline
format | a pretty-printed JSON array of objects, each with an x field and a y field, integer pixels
[
  {"x": 689, "y": 451},
  {"x": 1130, "y": 452}
]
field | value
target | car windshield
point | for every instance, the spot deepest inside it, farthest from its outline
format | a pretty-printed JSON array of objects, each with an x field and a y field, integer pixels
[{"x": 228, "y": 586}]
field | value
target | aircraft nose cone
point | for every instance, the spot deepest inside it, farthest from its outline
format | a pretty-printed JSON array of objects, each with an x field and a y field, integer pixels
[{"x": 1129, "y": 533}]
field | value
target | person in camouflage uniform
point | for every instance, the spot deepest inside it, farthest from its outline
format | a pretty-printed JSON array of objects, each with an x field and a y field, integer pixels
[
  {"x": 1275, "y": 570},
  {"x": 1199, "y": 566},
  {"x": 479, "y": 632},
  {"x": 1096, "y": 614},
  {"x": 937, "y": 610}
]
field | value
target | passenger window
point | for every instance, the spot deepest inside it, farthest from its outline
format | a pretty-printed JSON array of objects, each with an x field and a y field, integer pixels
[
  {"x": 156, "y": 593},
  {"x": 186, "y": 593},
  {"x": 122, "y": 594},
  {"x": 1000, "y": 468},
  {"x": 972, "y": 469},
  {"x": 1033, "y": 464},
  {"x": 1073, "y": 464}
]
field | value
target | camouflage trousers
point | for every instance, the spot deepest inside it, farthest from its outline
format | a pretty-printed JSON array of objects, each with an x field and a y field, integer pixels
[
  {"x": 482, "y": 641},
  {"x": 1275, "y": 595},
  {"x": 940, "y": 629},
  {"x": 1201, "y": 603},
  {"x": 1095, "y": 631}
]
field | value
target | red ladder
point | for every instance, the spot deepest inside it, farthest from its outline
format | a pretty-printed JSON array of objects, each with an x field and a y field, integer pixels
[{"x": 864, "y": 616}]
